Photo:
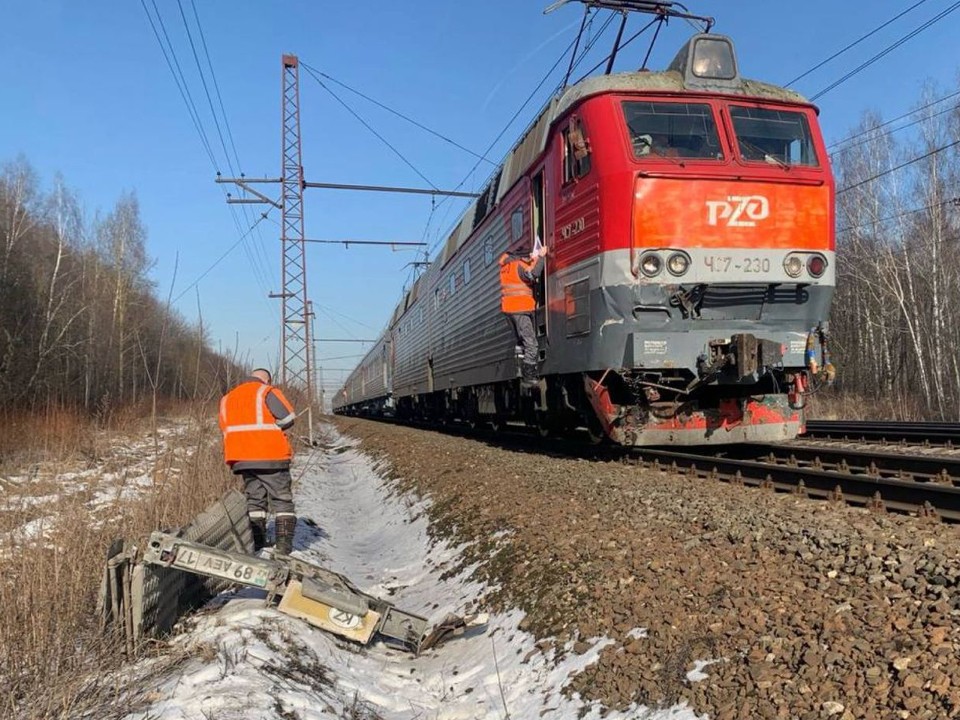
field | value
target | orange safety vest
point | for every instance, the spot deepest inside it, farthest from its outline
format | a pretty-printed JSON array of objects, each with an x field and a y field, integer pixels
[
  {"x": 515, "y": 295},
  {"x": 250, "y": 432}
]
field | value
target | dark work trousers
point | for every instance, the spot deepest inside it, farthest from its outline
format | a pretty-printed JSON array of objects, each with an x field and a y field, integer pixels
[
  {"x": 526, "y": 336},
  {"x": 268, "y": 489}
]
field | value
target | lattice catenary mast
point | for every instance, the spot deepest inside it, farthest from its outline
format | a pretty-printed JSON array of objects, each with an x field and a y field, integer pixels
[
  {"x": 297, "y": 347},
  {"x": 295, "y": 362}
]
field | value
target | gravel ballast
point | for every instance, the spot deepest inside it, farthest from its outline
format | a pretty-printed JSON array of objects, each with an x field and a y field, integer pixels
[{"x": 807, "y": 609}]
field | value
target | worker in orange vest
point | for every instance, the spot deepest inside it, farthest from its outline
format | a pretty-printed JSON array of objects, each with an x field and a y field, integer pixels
[
  {"x": 253, "y": 417},
  {"x": 518, "y": 274}
]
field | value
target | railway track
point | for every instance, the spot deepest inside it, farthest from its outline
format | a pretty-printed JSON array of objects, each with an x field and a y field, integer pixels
[
  {"x": 947, "y": 434},
  {"x": 925, "y": 485}
]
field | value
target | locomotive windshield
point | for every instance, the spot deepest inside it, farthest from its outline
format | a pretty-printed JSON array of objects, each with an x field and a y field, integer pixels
[
  {"x": 672, "y": 130},
  {"x": 773, "y": 136}
]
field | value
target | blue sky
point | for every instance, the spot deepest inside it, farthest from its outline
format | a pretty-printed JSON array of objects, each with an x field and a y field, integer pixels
[{"x": 86, "y": 92}]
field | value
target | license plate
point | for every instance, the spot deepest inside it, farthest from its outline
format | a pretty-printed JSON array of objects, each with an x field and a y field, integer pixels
[{"x": 221, "y": 567}]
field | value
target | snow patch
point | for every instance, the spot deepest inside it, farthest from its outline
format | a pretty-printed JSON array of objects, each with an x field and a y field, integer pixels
[
  {"x": 245, "y": 660},
  {"x": 697, "y": 674}
]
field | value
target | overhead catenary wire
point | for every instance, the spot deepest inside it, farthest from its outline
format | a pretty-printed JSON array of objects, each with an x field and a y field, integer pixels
[
  {"x": 872, "y": 135},
  {"x": 955, "y": 201},
  {"x": 887, "y": 50},
  {"x": 206, "y": 90},
  {"x": 177, "y": 77},
  {"x": 216, "y": 85},
  {"x": 571, "y": 48},
  {"x": 256, "y": 262},
  {"x": 397, "y": 113},
  {"x": 902, "y": 165},
  {"x": 507, "y": 127},
  {"x": 221, "y": 258},
  {"x": 575, "y": 64},
  {"x": 340, "y": 357},
  {"x": 620, "y": 47},
  {"x": 176, "y": 70},
  {"x": 336, "y": 322},
  {"x": 433, "y": 206},
  {"x": 852, "y": 45},
  {"x": 885, "y": 123},
  {"x": 370, "y": 128},
  {"x": 259, "y": 246},
  {"x": 327, "y": 308}
]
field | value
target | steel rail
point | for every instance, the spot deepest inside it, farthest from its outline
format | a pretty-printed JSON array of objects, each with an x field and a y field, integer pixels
[
  {"x": 890, "y": 493},
  {"x": 866, "y": 462},
  {"x": 923, "y": 433}
]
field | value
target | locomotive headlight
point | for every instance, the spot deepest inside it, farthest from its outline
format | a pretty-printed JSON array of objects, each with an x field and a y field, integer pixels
[
  {"x": 816, "y": 265},
  {"x": 678, "y": 263},
  {"x": 651, "y": 264},
  {"x": 793, "y": 265}
]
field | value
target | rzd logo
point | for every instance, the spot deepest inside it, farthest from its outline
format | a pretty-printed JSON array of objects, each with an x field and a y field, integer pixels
[{"x": 738, "y": 210}]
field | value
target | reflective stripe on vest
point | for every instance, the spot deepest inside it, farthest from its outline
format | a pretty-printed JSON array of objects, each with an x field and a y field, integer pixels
[
  {"x": 515, "y": 295},
  {"x": 259, "y": 424},
  {"x": 251, "y": 441}
]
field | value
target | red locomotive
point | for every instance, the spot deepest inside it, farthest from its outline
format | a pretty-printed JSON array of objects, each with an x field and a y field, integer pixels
[{"x": 689, "y": 216}]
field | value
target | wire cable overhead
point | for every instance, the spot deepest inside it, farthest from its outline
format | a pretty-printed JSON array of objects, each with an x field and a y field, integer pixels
[
  {"x": 902, "y": 165},
  {"x": 854, "y": 43},
  {"x": 887, "y": 50}
]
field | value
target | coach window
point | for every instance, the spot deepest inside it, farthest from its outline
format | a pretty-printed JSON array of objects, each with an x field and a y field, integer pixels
[
  {"x": 516, "y": 225},
  {"x": 576, "y": 151},
  {"x": 488, "y": 250},
  {"x": 453, "y": 284},
  {"x": 670, "y": 130},
  {"x": 466, "y": 271},
  {"x": 436, "y": 299}
]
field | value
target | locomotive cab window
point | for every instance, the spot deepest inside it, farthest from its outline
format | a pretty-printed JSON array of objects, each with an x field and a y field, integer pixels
[
  {"x": 576, "y": 151},
  {"x": 667, "y": 130},
  {"x": 776, "y": 137}
]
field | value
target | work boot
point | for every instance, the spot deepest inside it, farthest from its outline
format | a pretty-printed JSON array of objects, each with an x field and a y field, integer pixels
[
  {"x": 286, "y": 525},
  {"x": 529, "y": 376},
  {"x": 258, "y": 527}
]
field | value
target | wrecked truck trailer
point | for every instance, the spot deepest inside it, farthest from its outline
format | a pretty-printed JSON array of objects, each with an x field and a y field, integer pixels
[
  {"x": 323, "y": 598},
  {"x": 145, "y": 592}
]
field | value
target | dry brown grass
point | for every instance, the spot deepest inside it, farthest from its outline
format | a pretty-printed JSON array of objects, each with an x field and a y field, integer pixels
[
  {"x": 836, "y": 405},
  {"x": 54, "y": 661},
  {"x": 54, "y": 433}
]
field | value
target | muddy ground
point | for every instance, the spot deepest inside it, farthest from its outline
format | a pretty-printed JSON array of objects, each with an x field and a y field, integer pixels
[{"x": 811, "y": 610}]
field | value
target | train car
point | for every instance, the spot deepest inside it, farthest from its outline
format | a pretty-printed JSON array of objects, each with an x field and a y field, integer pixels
[
  {"x": 369, "y": 388},
  {"x": 689, "y": 216}
]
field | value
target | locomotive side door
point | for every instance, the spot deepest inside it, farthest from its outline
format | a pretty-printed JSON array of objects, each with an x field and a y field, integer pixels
[{"x": 538, "y": 230}]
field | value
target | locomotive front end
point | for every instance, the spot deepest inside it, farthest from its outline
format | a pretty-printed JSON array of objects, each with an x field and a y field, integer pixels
[
  {"x": 733, "y": 286},
  {"x": 731, "y": 262}
]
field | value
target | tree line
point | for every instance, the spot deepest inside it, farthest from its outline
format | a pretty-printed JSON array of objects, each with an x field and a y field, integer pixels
[
  {"x": 81, "y": 325},
  {"x": 896, "y": 313}
]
